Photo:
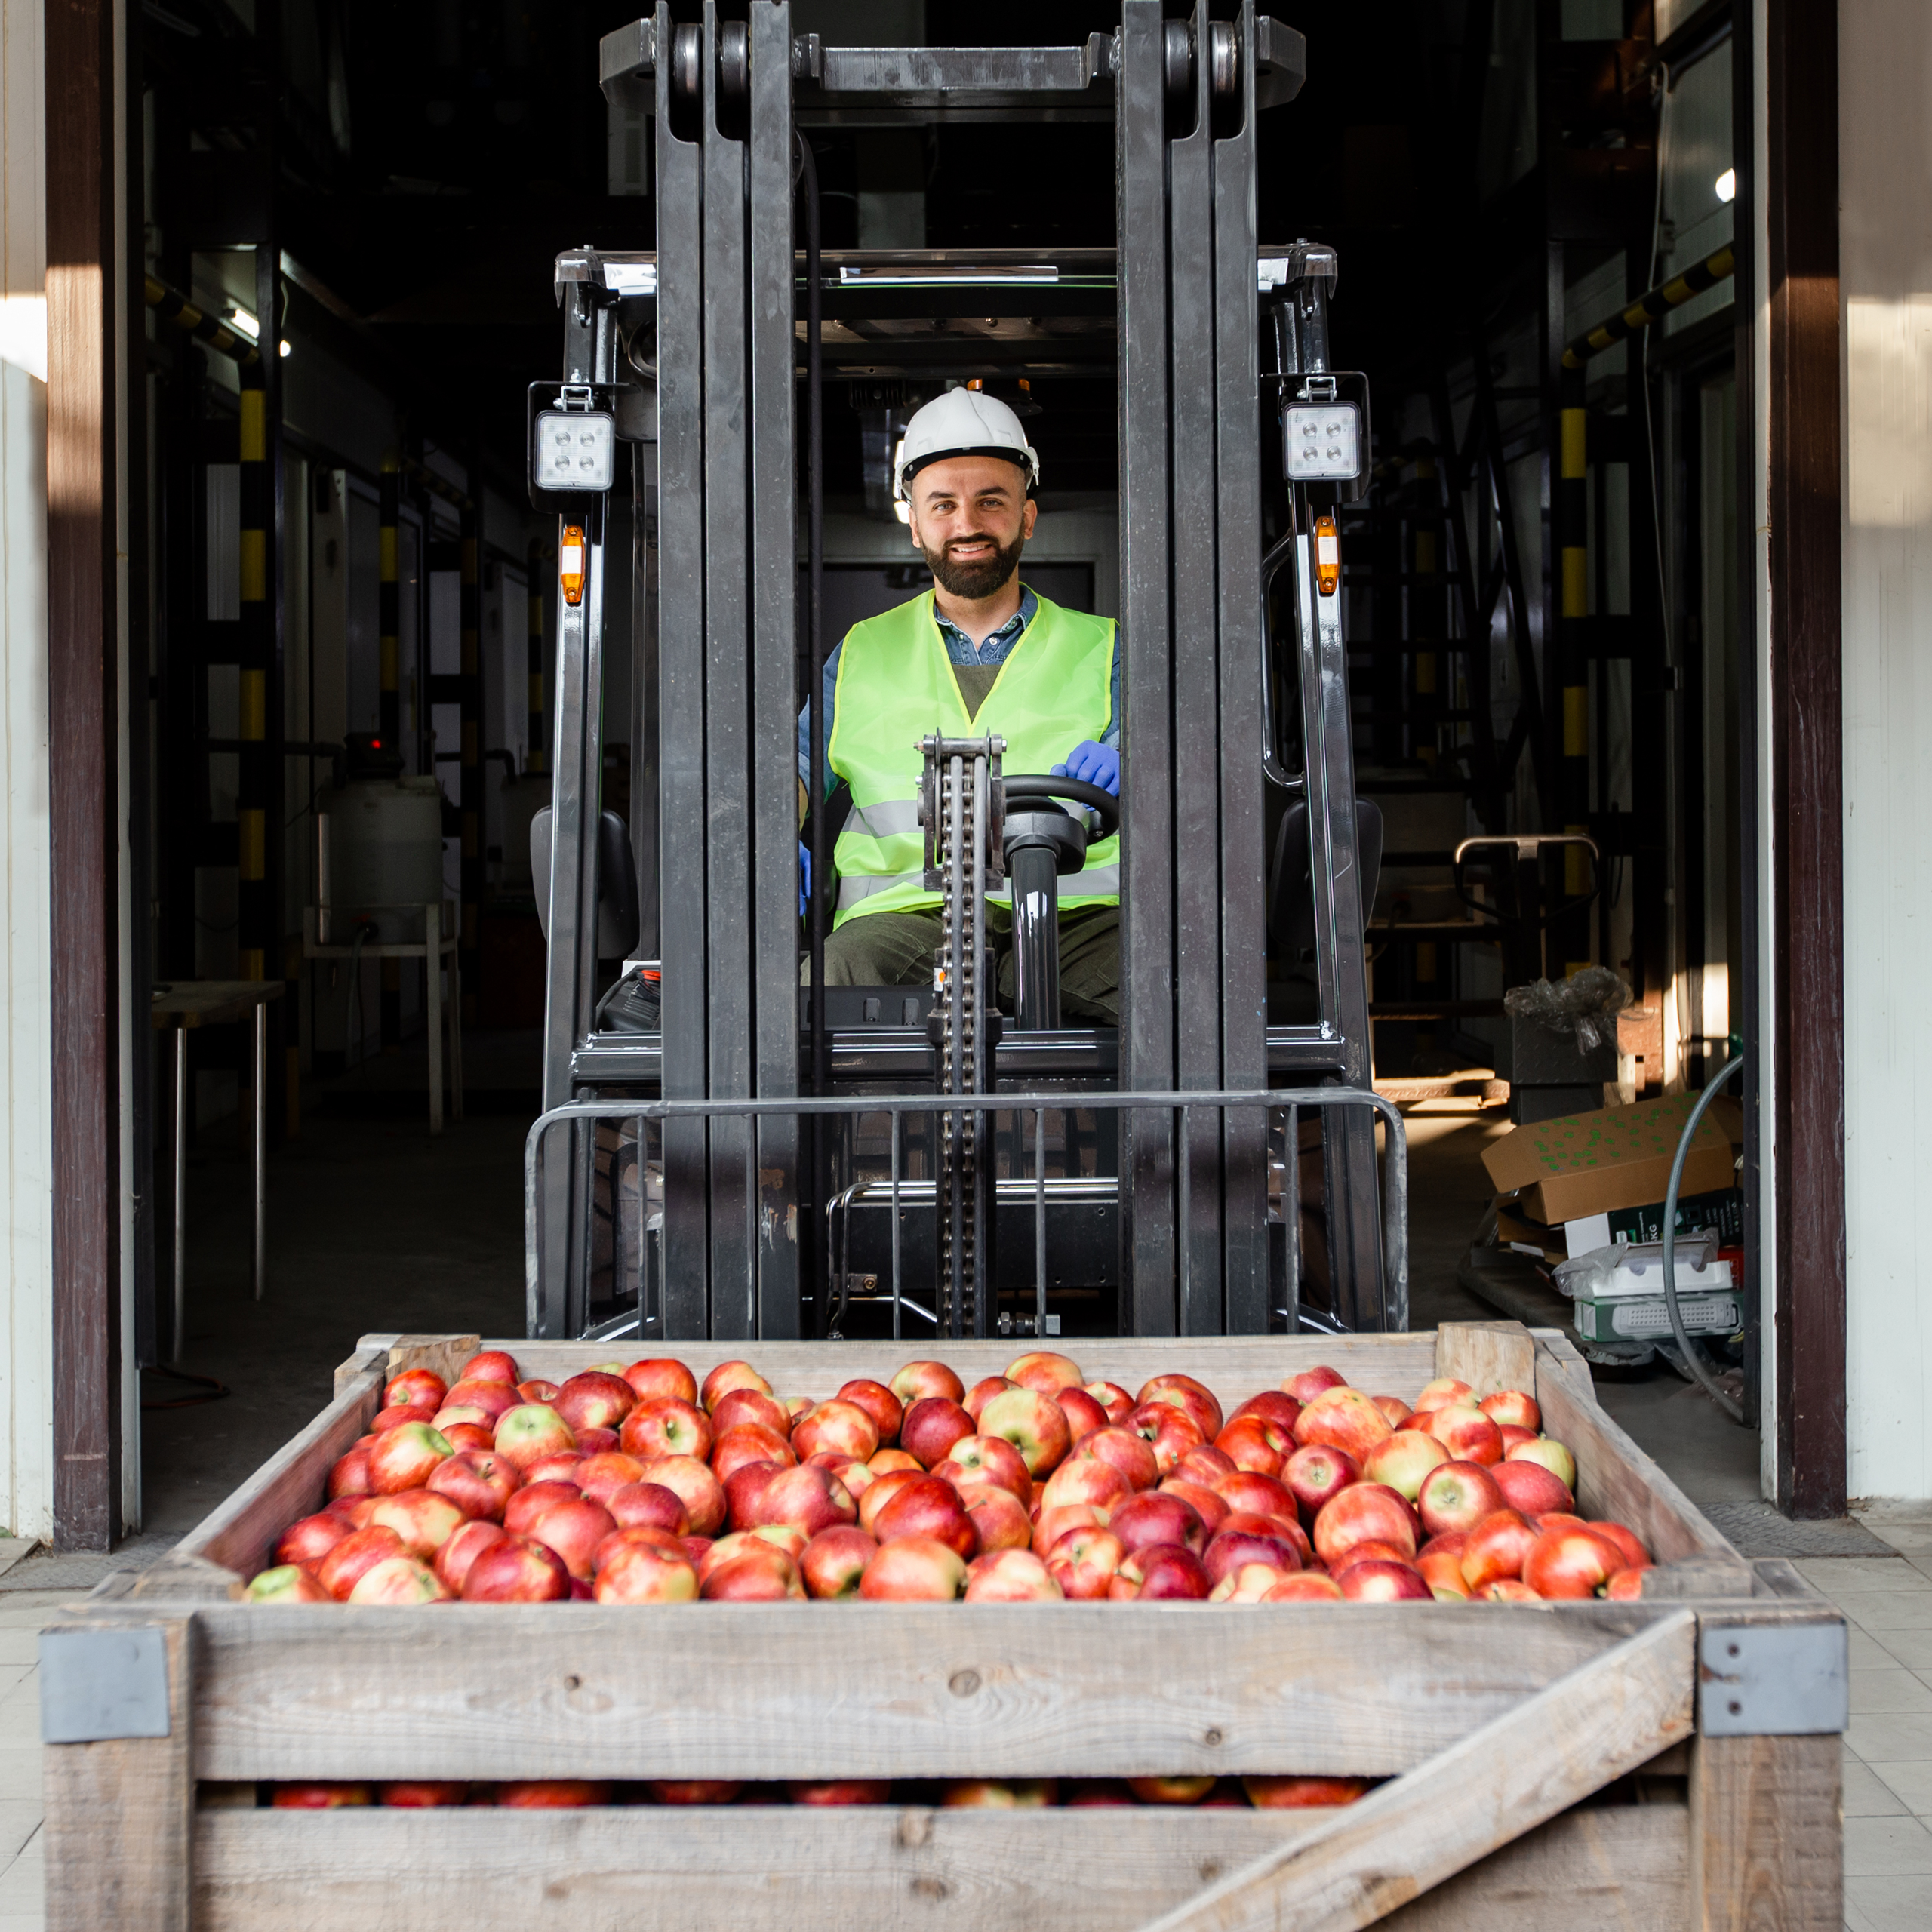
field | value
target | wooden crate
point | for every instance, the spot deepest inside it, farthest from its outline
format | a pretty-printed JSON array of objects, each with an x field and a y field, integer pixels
[{"x": 1546, "y": 1762}]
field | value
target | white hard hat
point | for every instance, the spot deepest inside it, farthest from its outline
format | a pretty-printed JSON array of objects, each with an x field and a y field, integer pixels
[{"x": 963, "y": 422}]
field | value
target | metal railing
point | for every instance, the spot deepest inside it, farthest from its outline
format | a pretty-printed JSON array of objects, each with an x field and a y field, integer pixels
[{"x": 1291, "y": 1100}]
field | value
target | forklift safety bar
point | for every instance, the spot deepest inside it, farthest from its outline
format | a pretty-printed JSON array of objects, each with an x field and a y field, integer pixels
[{"x": 1395, "y": 1180}]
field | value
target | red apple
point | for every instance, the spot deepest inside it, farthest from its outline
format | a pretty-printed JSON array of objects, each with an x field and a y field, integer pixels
[
  {"x": 929, "y": 1509},
  {"x": 1404, "y": 1460},
  {"x": 528, "y": 1433},
  {"x": 1162, "y": 1572},
  {"x": 1254, "y": 1442},
  {"x": 1397, "y": 1411},
  {"x": 729, "y": 1548},
  {"x": 349, "y": 1475},
  {"x": 536, "y": 1389},
  {"x": 661, "y": 1375},
  {"x": 1514, "y": 1406},
  {"x": 1448, "y": 1542},
  {"x": 405, "y": 1457},
  {"x": 551, "y": 1794},
  {"x": 1084, "y": 1415},
  {"x": 1084, "y": 1562},
  {"x": 1530, "y": 1487},
  {"x": 737, "y": 1407},
  {"x": 594, "y": 1400},
  {"x": 913, "y": 1570},
  {"x": 1506, "y": 1589},
  {"x": 1313, "y": 1474},
  {"x": 398, "y": 1582},
  {"x": 982, "y": 1392},
  {"x": 1371, "y": 1552},
  {"x": 1112, "y": 1397},
  {"x": 354, "y": 1510},
  {"x": 726, "y": 1377},
  {"x": 1296, "y": 1794},
  {"x": 287, "y": 1582},
  {"x": 834, "y": 1561},
  {"x": 641, "y": 1573},
  {"x": 464, "y": 1546},
  {"x": 1051, "y": 1525},
  {"x": 878, "y": 1402},
  {"x": 881, "y": 1491},
  {"x": 312, "y": 1797},
  {"x": 1045, "y": 1373},
  {"x": 1444, "y": 1392},
  {"x": 1468, "y": 1434},
  {"x": 1247, "y": 1582},
  {"x": 1206, "y": 1504},
  {"x": 996, "y": 1794},
  {"x": 1359, "y": 1514},
  {"x": 1567, "y": 1564},
  {"x": 421, "y": 1388},
  {"x": 573, "y": 1530},
  {"x": 1085, "y": 1479},
  {"x": 1232, "y": 1549},
  {"x": 990, "y": 1459},
  {"x": 1170, "y": 1791},
  {"x": 648, "y": 1504},
  {"x": 530, "y": 1501},
  {"x": 760, "y": 1575},
  {"x": 492, "y": 1365},
  {"x": 361, "y": 1550},
  {"x": 838, "y": 1427},
  {"x": 743, "y": 1490},
  {"x": 1457, "y": 1496},
  {"x": 1009, "y": 1576},
  {"x": 1342, "y": 1419},
  {"x": 1498, "y": 1549},
  {"x": 600, "y": 1477},
  {"x": 1155, "y": 1517},
  {"x": 562, "y": 1467},
  {"x": 1284, "y": 1529},
  {"x": 424, "y": 1520},
  {"x": 422, "y": 1793},
  {"x": 999, "y": 1517},
  {"x": 1443, "y": 1572},
  {"x": 667, "y": 1426},
  {"x": 1305, "y": 1586},
  {"x": 806, "y": 1499},
  {"x": 642, "y": 1534},
  {"x": 1271, "y": 1405},
  {"x": 397, "y": 1413},
  {"x": 494, "y": 1398},
  {"x": 310, "y": 1540},
  {"x": 920, "y": 1380},
  {"x": 1635, "y": 1556},
  {"x": 1205, "y": 1464},
  {"x": 1626, "y": 1586},
  {"x": 478, "y": 1481},
  {"x": 1169, "y": 1431},
  {"x": 695, "y": 1486},
  {"x": 841, "y": 1792},
  {"x": 1512, "y": 1435},
  {"x": 1260, "y": 1495},
  {"x": 1312, "y": 1383},
  {"x": 932, "y": 1424},
  {"x": 1381, "y": 1582},
  {"x": 1131, "y": 1454},
  {"x": 749, "y": 1442},
  {"x": 470, "y": 1437},
  {"x": 888, "y": 1460},
  {"x": 1183, "y": 1391},
  {"x": 1552, "y": 1455}
]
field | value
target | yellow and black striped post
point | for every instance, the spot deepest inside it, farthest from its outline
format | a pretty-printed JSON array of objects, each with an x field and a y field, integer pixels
[
  {"x": 257, "y": 922},
  {"x": 1573, "y": 611},
  {"x": 171, "y": 307},
  {"x": 389, "y": 607},
  {"x": 533, "y": 758},
  {"x": 469, "y": 795}
]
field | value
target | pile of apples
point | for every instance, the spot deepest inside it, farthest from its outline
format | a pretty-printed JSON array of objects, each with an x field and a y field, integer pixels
[
  {"x": 1259, "y": 1794},
  {"x": 636, "y": 1485}
]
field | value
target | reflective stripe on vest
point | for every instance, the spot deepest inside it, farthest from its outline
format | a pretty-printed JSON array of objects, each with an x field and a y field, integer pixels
[{"x": 896, "y": 685}]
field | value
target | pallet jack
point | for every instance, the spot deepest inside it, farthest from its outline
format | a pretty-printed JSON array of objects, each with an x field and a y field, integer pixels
[{"x": 738, "y": 1153}]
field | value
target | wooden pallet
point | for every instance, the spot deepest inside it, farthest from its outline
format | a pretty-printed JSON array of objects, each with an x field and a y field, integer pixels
[{"x": 1546, "y": 1762}]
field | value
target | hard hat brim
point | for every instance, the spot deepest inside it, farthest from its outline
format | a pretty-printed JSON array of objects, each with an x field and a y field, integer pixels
[{"x": 1021, "y": 459}]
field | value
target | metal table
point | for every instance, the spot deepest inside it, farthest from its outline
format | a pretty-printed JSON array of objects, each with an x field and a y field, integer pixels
[{"x": 182, "y": 1005}]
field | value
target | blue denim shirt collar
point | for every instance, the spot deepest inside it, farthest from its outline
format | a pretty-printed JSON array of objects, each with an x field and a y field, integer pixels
[{"x": 960, "y": 648}]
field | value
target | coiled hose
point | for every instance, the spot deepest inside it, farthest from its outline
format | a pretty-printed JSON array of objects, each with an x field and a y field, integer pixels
[{"x": 1693, "y": 1359}]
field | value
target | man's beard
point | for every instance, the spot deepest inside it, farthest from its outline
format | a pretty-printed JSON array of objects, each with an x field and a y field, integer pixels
[{"x": 972, "y": 582}]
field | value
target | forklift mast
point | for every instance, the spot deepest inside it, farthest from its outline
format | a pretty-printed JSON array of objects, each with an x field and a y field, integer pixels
[{"x": 691, "y": 360}]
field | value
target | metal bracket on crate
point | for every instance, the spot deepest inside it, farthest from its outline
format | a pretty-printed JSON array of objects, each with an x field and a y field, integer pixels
[
  {"x": 99, "y": 1684},
  {"x": 1773, "y": 1680}
]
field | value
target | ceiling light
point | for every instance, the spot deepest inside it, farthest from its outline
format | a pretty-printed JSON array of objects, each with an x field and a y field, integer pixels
[
  {"x": 285, "y": 345},
  {"x": 242, "y": 320},
  {"x": 1727, "y": 185}
]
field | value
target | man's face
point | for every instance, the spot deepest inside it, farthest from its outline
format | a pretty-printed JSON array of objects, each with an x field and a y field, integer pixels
[{"x": 971, "y": 519}]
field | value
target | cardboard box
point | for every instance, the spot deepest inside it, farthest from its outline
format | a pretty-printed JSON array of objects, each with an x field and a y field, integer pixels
[
  {"x": 1642, "y": 1319},
  {"x": 1578, "y": 1165},
  {"x": 1723, "y": 1212}
]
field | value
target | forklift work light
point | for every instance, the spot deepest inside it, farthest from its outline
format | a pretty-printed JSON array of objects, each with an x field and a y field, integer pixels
[
  {"x": 576, "y": 449},
  {"x": 570, "y": 563},
  {"x": 1324, "y": 442}
]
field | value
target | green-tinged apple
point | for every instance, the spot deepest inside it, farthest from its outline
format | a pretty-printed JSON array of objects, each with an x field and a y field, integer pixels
[
  {"x": 1404, "y": 1461},
  {"x": 997, "y": 1794},
  {"x": 667, "y": 1426},
  {"x": 398, "y": 1581},
  {"x": 1444, "y": 1392},
  {"x": 287, "y": 1582},
  {"x": 1457, "y": 1496},
  {"x": 989, "y": 1459},
  {"x": 835, "y": 1560},
  {"x": 361, "y": 1550},
  {"x": 913, "y": 1570},
  {"x": 1084, "y": 1562},
  {"x": 1442, "y": 1571},
  {"x": 1553, "y": 1455},
  {"x": 641, "y": 1573},
  {"x": 529, "y": 1432},
  {"x": 1041, "y": 1370},
  {"x": 838, "y": 1427},
  {"x": 1305, "y": 1586},
  {"x": 919, "y": 1380},
  {"x": 1171, "y": 1791},
  {"x": 424, "y": 1520},
  {"x": 406, "y": 1457},
  {"x": 1513, "y": 1406},
  {"x": 1531, "y": 1487},
  {"x": 1342, "y": 1419}
]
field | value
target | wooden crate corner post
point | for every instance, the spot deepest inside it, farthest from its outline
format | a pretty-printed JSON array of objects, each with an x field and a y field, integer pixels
[{"x": 1488, "y": 1355}]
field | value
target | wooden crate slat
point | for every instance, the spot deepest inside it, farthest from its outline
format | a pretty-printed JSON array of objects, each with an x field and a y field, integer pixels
[
  {"x": 868, "y": 1691},
  {"x": 786, "y": 1870},
  {"x": 1767, "y": 1842},
  {"x": 239, "y": 1533},
  {"x": 1488, "y": 1355},
  {"x": 1616, "y": 1478},
  {"x": 1605, "y": 1719}
]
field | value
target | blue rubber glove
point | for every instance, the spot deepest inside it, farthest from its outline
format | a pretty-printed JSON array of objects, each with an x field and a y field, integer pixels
[
  {"x": 1093, "y": 764},
  {"x": 804, "y": 878}
]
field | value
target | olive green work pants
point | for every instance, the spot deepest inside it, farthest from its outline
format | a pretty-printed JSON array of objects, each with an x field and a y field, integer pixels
[{"x": 897, "y": 948}]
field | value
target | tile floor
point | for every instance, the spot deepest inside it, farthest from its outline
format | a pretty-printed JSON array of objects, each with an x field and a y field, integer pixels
[{"x": 1887, "y": 1751}]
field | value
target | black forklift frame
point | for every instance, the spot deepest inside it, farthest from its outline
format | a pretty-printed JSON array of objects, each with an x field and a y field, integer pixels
[{"x": 707, "y": 327}]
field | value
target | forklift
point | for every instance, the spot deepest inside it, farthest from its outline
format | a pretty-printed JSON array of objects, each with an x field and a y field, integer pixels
[{"x": 730, "y": 1149}]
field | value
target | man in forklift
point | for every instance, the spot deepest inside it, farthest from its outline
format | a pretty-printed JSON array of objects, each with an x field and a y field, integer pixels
[{"x": 979, "y": 652}]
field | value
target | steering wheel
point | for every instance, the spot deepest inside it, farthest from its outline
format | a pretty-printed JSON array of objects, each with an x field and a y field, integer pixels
[{"x": 1030, "y": 789}]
